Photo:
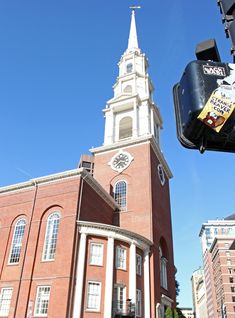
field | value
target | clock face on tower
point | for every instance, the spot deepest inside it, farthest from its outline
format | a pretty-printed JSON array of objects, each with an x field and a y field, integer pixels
[{"x": 120, "y": 161}]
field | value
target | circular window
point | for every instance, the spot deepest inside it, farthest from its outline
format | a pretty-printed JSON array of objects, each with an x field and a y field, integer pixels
[{"x": 161, "y": 174}]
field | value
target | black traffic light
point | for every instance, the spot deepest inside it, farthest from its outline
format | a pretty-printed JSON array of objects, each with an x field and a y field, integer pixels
[
  {"x": 204, "y": 102},
  {"x": 227, "y": 9}
]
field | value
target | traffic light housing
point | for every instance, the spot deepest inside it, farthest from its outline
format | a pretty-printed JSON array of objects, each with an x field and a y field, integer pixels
[
  {"x": 227, "y": 9},
  {"x": 206, "y": 83}
]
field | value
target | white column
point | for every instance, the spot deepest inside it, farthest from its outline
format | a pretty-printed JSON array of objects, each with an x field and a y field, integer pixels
[
  {"x": 151, "y": 121},
  {"x": 132, "y": 273},
  {"x": 109, "y": 279},
  {"x": 158, "y": 310},
  {"x": 146, "y": 285},
  {"x": 79, "y": 277},
  {"x": 109, "y": 127}
]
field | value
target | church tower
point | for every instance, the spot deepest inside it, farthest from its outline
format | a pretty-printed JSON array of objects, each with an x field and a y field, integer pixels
[{"x": 131, "y": 167}]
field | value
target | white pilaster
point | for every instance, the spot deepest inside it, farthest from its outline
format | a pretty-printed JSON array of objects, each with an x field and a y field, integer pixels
[
  {"x": 135, "y": 121},
  {"x": 132, "y": 273},
  {"x": 146, "y": 285},
  {"x": 109, "y": 279},
  {"x": 79, "y": 277},
  {"x": 109, "y": 127},
  {"x": 152, "y": 122}
]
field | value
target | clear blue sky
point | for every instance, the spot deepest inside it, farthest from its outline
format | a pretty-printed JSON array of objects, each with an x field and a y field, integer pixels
[{"x": 58, "y": 62}]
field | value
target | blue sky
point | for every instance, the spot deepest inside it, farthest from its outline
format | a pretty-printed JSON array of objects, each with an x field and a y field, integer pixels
[{"x": 58, "y": 62}]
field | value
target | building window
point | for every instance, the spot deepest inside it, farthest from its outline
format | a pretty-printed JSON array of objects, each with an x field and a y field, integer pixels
[
  {"x": 161, "y": 174},
  {"x": 156, "y": 132},
  {"x": 233, "y": 289},
  {"x": 233, "y": 299},
  {"x": 138, "y": 264},
  {"x": 120, "y": 191},
  {"x": 17, "y": 241},
  {"x": 96, "y": 254},
  {"x": 163, "y": 270},
  {"x": 120, "y": 258},
  {"x": 231, "y": 279},
  {"x": 51, "y": 236},
  {"x": 93, "y": 296},
  {"x": 5, "y": 301},
  {"x": 129, "y": 68},
  {"x": 119, "y": 296},
  {"x": 138, "y": 303},
  {"x": 229, "y": 262},
  {"x": 42, "y": 301},
  {"x": 125, "y": 127}
]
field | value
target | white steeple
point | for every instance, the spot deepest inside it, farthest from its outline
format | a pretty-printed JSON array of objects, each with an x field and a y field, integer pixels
[
  {"x": 131, "y": 113},
  {"x": 133, "y": 40}
]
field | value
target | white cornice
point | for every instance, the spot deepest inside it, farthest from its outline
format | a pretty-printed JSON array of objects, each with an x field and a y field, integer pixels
[
  {"x": 70, "y": 174},
  {"x": 136, "y": 141},
  {"x": 100, "y": 190},
  {"x": 116, "y": 232},
  {"x": 42, "y": 180}
]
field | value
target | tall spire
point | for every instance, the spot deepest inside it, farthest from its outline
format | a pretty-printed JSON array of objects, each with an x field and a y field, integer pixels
[{"x": 133, "y": 41}]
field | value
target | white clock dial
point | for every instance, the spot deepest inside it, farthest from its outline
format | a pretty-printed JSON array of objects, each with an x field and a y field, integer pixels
[{"x": 121, "y": 161}]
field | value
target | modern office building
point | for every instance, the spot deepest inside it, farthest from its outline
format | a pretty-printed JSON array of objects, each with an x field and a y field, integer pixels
[
  {"x": 199, "y": 294},
  {"x": 96, "y": 241},
  {"x": 209, "y": 233}
]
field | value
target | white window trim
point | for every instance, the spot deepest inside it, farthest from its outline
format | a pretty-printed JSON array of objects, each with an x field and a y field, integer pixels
[
  {"x": 114, "y": 188},
  {"x": 163, "y": 265},
  {"x": 36, "y": 301},
  {"x": 44, "y": 258},
  {"x": 117, "y": 258},
  {"x": 91, "y": 309},
  {"x": 9, "y": 258},
  {"x": 102, "y": 254},
  {"x": 139, "y": 269},
  {"x": 118, "y": 286},
  {"x": 1, "y": 294},
  {"x": 139, "y": 299},
  {"x": 161, "y": 174}
]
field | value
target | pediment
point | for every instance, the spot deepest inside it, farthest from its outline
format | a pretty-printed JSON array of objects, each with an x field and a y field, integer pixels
[{"x": 122, "y": 97}]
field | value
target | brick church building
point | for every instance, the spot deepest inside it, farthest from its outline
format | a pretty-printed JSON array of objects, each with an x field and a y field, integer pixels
[{"x": 96, "y": 241}]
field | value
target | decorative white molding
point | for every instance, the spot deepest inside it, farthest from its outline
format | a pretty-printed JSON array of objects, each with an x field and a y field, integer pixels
[
  {"x": 167, "y": 301},
  {"x": 104, "y": 230},
  {"x": 42, "y": 180}
]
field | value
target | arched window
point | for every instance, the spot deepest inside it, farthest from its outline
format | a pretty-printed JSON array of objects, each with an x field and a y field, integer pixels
[
  {"x": 129, "y": 67},
  {"x": 125, "y": 127},
  {"x": 51, "y": 236},
  {"x": 163, "y": 269},
  {"x": 120, "y": 191},
  {"x": 17, "y": 241}
]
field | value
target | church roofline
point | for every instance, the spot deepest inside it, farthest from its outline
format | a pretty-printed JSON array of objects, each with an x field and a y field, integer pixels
[{"x": 70, "y": 174}]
